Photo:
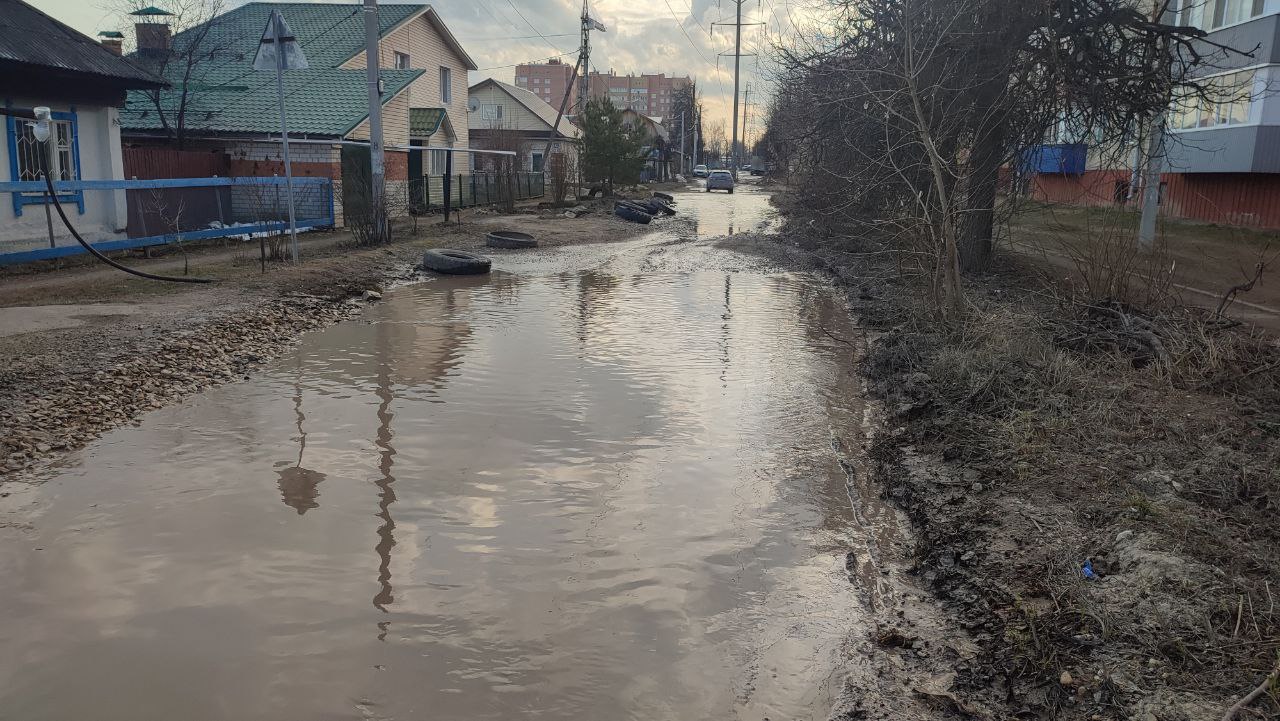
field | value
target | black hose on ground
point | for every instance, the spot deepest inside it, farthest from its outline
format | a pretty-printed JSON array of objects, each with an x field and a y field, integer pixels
[{"x": 48, "y": 181}]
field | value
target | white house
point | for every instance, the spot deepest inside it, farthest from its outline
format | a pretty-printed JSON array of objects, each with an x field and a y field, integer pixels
[{"x": 45, "y": 63}]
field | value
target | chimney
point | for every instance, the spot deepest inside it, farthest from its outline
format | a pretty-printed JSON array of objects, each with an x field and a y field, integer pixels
[
  {"x": 153, "y": 38},
  {"x": 152, "y": 31},
  {"x": 113, "y": 41}
]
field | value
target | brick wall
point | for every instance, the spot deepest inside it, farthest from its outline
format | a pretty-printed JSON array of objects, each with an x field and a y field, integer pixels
[
  {"x": 264, "y": 160},
  {"x": 1250, "y": 200}
]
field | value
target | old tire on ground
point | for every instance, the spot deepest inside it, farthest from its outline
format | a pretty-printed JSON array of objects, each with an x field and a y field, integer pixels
[
  {"x": 642, "y": 207},
  {"x": 662, "y": 207},
  {"x": 455, "y": 262},
  {"x": 665, "y": 197},
  {"x": 510, "y": 239},
  {"x": 635, "y": 215}
]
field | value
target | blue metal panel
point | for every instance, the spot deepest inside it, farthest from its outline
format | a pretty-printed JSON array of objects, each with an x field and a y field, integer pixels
[
  {"x": 125, "y": 244},
  {"x": 61, "y": 186},
  {"x": 1065, "y": 159},
  {"x": 81, "y": 185}
]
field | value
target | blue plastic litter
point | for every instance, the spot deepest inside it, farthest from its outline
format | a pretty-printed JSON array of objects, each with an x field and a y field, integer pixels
[{"x": 1087, "y": 570}]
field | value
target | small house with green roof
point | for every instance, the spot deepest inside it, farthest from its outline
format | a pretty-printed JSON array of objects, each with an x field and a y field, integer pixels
[{"x": 230, "y": 106}]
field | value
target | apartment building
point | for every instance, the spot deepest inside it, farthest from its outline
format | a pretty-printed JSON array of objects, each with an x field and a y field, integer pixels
[
  {"x": 1222, "y": 161},
  {"x": 548, "y": 81},
  {"x": 651, "y": 95}
]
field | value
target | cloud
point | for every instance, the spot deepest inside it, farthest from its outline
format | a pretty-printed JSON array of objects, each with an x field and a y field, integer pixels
[{"x": 660, "y": 36}]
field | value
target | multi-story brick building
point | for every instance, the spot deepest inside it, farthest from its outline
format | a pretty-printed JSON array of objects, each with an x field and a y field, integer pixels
[
  {"x": 548, "y": 81},
  {"x": 651, "y": 95}
]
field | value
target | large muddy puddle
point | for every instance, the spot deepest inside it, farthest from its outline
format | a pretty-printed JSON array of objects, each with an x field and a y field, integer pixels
[{"x": 600, "y": 483}]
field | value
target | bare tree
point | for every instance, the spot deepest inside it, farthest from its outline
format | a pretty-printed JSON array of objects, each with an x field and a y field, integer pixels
[
  {"x": 194, "y": 64},
  {"x": 562, "y": 172},
  {"x": 715, "y": 140},
  {"x": 900, "y": 115}
]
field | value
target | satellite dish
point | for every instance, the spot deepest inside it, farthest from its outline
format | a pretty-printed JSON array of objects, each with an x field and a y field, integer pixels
[{"x": 473, "y": 105}]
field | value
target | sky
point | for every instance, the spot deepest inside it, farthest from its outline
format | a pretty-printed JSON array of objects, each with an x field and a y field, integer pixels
[{"x": 657, "y": 36}]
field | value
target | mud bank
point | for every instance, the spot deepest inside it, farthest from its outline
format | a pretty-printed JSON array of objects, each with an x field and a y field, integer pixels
[
  {"x": 1100, "y": 528},
  {"x": 126, "y": 346}
]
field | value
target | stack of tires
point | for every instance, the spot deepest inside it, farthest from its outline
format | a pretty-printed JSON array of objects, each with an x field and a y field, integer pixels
[{"x": 643, "y": 211}]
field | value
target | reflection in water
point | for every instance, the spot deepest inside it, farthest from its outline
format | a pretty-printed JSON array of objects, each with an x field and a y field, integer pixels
[
  {"x": 622, "y": 474},
  {"x": 385, "y": 481},
  {"x": 299, "y": 486}
]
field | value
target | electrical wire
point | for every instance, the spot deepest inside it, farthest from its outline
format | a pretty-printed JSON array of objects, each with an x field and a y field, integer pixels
[
  {"x": 527, "y": 62},
  {"x": 531, "y": 27},
  {"x": 48, "y": 182}
]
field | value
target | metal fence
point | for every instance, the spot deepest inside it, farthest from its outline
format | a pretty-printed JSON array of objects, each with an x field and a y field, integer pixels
[
  {"x": 473, "y": 189},
  {"x": 155, "y": 212}
]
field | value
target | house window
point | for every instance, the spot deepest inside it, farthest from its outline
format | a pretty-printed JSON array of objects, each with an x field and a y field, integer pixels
[
  {"x": 62, "y": 154},
  {"x": 402, "y": 61},
  {"x": 446, "y": 86},
  {"x": 1230, "y": 103},
  {"x": 439, "y": 159},
  {"x": 1214, "y": 14},
  {"x": 63, "y": 158},
  {"x": 491, "y": 112},
  {"x": 537, "y": 162}
]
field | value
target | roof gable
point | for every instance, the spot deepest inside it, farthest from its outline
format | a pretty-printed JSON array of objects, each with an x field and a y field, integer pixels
[{"x": 533, "y": 104}]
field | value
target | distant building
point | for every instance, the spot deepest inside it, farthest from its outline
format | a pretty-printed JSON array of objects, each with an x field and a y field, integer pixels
[
  {"x": 423, "y": 77},
  {"x": 651, "y": 95},
  {"x": 505, "y": 117},
  {"x": 548, "y": 81},
  {"x": 1223, "y": 157}
]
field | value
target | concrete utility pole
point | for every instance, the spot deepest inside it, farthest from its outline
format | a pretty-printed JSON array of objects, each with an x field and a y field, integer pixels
[
  {"x": 584, "y": 53},
  {"x": 697, "y": 123},
  {"x": 737, "y": 61},
  {"x": 746, "y": 113},
  {"x": 1151, "y": 183},
  {"x": 682, "y": 163},
  {"x": 377, "y": 158},
  {"x": 737, "y": 66},
  {"x": 1155, "y": 157}
]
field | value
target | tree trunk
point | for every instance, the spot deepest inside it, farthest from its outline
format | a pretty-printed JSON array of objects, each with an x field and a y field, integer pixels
[{"x": 977, "y": 227}]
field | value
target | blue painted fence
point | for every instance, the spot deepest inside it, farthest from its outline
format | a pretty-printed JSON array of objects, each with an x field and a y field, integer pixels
[{"x": 319, "y": 210}]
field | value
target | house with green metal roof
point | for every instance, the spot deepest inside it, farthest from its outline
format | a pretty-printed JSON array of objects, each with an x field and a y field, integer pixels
[{"x": 227, "y": 104}]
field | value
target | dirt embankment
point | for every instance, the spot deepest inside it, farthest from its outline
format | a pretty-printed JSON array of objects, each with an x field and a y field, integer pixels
[
  {"x": 84, "y": 348},
  {"x": 1094, "y": 489}
]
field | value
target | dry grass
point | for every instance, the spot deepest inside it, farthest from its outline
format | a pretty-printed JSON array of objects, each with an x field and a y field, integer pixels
[{"x": 1083, "y": 413}]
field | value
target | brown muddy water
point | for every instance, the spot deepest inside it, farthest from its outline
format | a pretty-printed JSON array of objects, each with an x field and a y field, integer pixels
[{"x": 602, "y": 483}]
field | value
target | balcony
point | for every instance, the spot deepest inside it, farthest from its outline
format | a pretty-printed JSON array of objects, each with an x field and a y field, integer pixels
[{"x": 1062, "y": 159}]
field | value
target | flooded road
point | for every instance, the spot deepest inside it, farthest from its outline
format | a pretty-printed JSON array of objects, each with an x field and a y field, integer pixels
[{"x": 600, "y": 483}]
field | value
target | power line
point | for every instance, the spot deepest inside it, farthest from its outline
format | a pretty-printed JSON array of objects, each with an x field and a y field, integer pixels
[
  {"x": 519, "y": 37},
  {"x": 527, "y": 62},
  {"x": 531, "y": 27},
  {"x": 685, "y": 33}
]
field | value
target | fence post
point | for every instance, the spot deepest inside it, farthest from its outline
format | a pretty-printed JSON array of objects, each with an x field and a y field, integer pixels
[{"x": 448, "y": 168}]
